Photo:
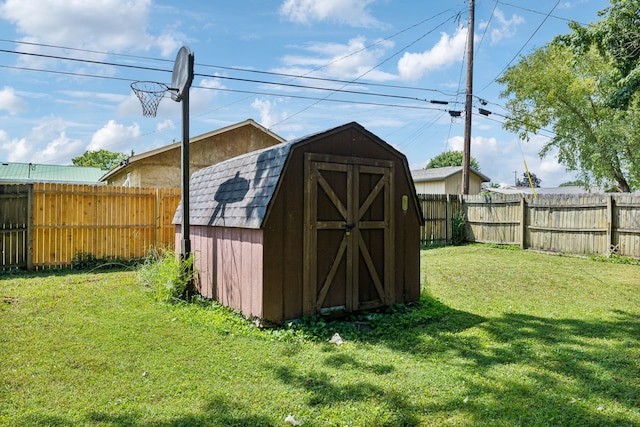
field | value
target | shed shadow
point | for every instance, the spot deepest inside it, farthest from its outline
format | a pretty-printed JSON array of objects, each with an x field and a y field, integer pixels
[
  {"x": 232, "y": 190},
  {"x": 566, "y": 366},
  {"x": 401, "y": 327}
]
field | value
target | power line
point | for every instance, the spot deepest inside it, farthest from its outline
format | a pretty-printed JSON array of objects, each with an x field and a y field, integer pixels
[
  {"x": 222, "y": 67},
  {"x": 66, "y": 73},
  {"x": 412, "y": 98},
  {"x": 325, "y": 79},
  {"x": 85, "y": 61},
  {"x": 344, "y": 101},
  {"x": 332, "y": 90},
  {"x": 369, "y": 70},
  {"x": 523, "y": 46},
  {"x": 538, "y": 12},
  {"x": 495, "y": 5},
  {"x": 486, "y": 116}
]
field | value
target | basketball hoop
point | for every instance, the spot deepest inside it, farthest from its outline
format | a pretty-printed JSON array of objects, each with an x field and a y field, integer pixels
[{"x": 149, "y": 94}]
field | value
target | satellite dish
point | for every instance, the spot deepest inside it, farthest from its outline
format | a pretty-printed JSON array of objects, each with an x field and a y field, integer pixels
[{"x": 182, "y": 74}]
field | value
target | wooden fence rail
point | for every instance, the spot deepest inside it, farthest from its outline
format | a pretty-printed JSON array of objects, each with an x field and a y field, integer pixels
[
  {"x": 48, "y": 225},
  {"x": 594, "y": 224},
  {"x": 60, "y": 222}
]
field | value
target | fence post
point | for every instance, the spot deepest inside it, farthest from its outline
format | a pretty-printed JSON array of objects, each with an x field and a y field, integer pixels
[
  {"x": 157, "y": 206},
  {"x": 523, "y": 218},
  {"x": 461, "y": 208},
  {"x": 609, "y": 242},
  {"x": 447, "y": 216}
]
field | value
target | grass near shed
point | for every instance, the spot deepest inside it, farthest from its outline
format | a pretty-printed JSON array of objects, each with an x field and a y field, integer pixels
[{"x": 500, "y": 338}]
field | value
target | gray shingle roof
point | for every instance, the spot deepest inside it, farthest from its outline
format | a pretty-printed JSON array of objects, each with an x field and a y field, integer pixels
[{"x": 236, "y": 192}]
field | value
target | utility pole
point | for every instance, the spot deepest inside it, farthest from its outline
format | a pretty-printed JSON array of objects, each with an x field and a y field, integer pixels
[{"x": 466, "y": 158}]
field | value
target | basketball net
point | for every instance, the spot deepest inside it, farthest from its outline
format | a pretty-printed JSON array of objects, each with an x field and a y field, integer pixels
[{"x": 149, "y": 94}]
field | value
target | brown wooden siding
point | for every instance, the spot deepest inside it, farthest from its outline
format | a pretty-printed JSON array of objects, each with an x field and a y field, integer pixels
[{"x": 284, "y": 226}]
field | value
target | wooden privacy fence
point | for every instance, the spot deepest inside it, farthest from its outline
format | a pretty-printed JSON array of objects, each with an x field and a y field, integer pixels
[
  {"x": 15, "y": 205},
  {"x": 438, "y": 211},
  {"x": 50, "y": 225},
  {"x": 594, "y": 224}
]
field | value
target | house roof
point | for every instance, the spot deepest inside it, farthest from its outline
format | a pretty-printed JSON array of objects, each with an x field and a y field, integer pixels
[
  {"x": 33, "y": 172},
  {"x": 176, "y": 145},
  {"x": 575, "y": 190},
  {"x": 439, "y": 174},
  {"x": 237, "y": 192}
]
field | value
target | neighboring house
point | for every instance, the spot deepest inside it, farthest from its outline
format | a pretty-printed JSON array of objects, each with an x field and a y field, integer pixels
[
  {"x": 21, "y": 173},
  {"x": 447, "y": 180},
  {"x": 160, "y": 168}
]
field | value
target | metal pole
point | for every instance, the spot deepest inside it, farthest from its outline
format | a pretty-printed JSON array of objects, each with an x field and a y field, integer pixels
[
  {"x": 186, "y": 241},
  {"x": 466, "y": 159}
]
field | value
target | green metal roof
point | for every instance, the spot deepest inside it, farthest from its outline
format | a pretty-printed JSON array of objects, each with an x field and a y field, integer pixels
[{"x": 33, "y": 172}]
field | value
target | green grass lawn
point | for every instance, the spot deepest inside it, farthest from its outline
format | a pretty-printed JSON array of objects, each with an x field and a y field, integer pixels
[{"x": 500, "y": 338}]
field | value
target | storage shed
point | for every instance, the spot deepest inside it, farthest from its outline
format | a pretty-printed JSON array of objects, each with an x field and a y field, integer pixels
[{"x": 325, "y": 224}]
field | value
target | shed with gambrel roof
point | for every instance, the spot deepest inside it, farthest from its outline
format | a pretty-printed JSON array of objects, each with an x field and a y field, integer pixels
[{"x": 328, "y": 223}]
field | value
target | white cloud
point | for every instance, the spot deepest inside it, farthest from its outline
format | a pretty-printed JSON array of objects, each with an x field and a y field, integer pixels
[
  {"x": 60, "y": 148},
  {"x": 14, "y": 150},
  {"x": 10, "y": 102},
  {"x": 114, "y": 137},
  {"x": 501, "y": 27},
  {"x": 50, "y": 134},
  {"x": 106, "y": 25},
  {"x": 503, "y": 161},
  {"x": 166, "y": 124},
  {"x": 168, "y": 44},
  {"x": 268, "y": 115},
  {"x": 354, "y": 13},
  {"x": 571, "y": 4},
  {"x": 448, "y": 50},
  {"x": 200, "y": 97},
  {"x": 351, "y": 60}
]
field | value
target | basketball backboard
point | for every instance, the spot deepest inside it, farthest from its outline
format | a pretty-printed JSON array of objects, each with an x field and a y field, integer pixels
[{"x": 182, "y": 73}]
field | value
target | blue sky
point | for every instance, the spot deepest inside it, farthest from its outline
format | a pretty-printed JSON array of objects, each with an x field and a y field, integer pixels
[{"x": 65, "y": 70}]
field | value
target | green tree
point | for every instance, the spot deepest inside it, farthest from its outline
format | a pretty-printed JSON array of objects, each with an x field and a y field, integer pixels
[
  {"x": 102, "y": 159},
  {"x": 576, "y": 183},
  {"x": 569, "y": 90},
  {"x": 451, "y": 158},
  {"x": 617, "y": 38},
  {"x": 524, "y": 181}
]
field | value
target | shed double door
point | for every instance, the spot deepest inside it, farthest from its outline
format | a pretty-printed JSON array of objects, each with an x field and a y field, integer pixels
[{"x": 348, "y": 234}]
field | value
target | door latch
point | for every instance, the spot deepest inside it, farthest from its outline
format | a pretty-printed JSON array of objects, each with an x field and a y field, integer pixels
[{"x": 348, "y": 228}]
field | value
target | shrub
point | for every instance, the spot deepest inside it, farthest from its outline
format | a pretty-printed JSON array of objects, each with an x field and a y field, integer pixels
[
  {"x": 89, "y": 261},
  {"x": 458, "y": 228},
  {"x": 167, "y": 275}
]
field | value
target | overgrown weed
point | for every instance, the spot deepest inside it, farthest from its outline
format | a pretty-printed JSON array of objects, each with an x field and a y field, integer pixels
[{"x": 167, "y": 275}]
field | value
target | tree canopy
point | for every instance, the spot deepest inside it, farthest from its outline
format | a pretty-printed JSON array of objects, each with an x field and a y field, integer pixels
[
  {"x": 617, "y": 38},
  {"x": 451, "y": 158},
  {"x": 524, "y": 181},
  {"x": 570, "y": 90},
  {"x": 102, "y": 159}
]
